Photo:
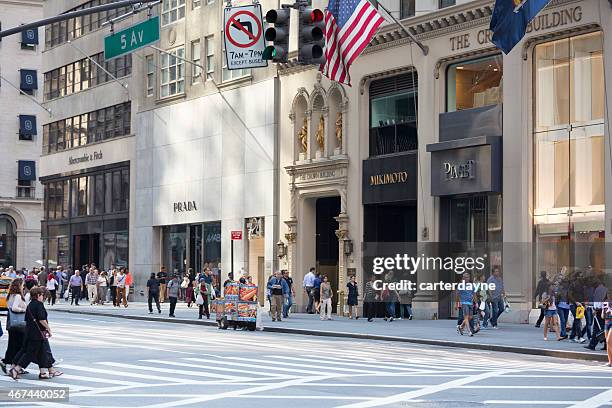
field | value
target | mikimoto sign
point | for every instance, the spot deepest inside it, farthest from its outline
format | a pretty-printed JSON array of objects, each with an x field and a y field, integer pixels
[{"x": 244, "y": 41}]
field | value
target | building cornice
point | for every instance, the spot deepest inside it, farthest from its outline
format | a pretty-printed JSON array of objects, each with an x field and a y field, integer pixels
[
  {"x": 34, "y": 3},
  {"x": 426, "y": 27}
]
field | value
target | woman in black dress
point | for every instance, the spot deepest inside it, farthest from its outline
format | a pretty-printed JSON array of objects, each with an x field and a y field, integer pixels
[
  {"x": 36, "y": 348},
  {"x": 353, "y": 294}
]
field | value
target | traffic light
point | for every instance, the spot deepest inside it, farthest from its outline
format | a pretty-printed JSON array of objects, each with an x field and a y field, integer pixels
[
  {"x": 311, "y": 39},
  {"x": 278, "y": 35}
]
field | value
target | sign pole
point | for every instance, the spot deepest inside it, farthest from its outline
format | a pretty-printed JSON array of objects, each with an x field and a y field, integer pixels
[{"x": 232, "y": 255}]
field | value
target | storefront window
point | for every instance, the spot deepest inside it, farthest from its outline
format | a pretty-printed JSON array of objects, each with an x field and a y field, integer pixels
[
  {"x": 175, "y": 248},
  {"x": 393, "y": 107},
  {"x": 474, "y": 84},
  {"x": 569, "y": 154}
]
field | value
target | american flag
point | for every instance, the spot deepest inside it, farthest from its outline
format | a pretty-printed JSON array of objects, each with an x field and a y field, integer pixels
[{"x": 349, "y": 27}]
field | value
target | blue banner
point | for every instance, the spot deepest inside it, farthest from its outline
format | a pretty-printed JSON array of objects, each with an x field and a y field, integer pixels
[
  {"x": 509, "y": 21},
  {"x": 29, "y": 36},
  {"x": 29, "y": 80},
  {"x": 27, "y": 125},
  {"x": 27, "y": 170}
]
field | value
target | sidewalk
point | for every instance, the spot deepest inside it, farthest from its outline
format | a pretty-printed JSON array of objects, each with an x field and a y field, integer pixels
[{"x": 515, "y": 338}]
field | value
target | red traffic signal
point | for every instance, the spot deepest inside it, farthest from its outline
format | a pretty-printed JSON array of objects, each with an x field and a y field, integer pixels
[{"x": 316, "y": 15}]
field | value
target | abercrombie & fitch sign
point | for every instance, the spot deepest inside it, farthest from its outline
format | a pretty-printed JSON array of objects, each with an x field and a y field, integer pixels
[{"x": 185, "y": 206}]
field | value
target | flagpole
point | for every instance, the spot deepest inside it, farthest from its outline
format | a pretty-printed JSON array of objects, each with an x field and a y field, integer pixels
[{"x": 423, "y": 47}]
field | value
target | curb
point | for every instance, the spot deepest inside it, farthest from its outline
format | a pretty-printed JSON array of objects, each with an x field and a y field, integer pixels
[{"x": 576, "y": 355}]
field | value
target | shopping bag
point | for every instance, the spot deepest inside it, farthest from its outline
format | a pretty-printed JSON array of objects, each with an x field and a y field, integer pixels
[
  {"x": 199, "y": 299},
  {"x": 66, "y": 294},
  {"x": 506, "y": 306}
]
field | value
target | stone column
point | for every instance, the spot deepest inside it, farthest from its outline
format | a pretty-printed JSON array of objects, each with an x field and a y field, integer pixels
[
  {"x": 309, "y": 147},
  {"x": 327, "y": 150},
  {"x": 342, "y": 234},
  {"x": 344, "y": 110}
]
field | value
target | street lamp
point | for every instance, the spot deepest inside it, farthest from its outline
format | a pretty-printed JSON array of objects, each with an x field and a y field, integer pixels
[{"x": 281, "y": 249}]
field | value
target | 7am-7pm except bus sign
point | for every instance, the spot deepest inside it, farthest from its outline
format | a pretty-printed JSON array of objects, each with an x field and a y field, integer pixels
[{"x": 131, "y": 39}]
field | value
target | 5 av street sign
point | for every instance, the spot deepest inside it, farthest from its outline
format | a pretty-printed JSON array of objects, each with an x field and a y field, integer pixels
[{"x": 131, "y": 39}]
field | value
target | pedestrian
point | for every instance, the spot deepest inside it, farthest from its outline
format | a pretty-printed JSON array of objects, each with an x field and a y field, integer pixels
[
  {"x": 42, "y": 276},
  {"x": 173, "y": 293},
  {"x": 91, "y": 279},
  {"x": 465, "y": 303},
  {"x": 230, "y": 279},
  {"x": 606, "y": 314},
  {"x": 542, "y": 287},
  {"x": 600, "y": 294},
  {"x": 316, "y": 290},
  {"x": 369, "y": 299},
  {"x": 162, "y": 275},
  {"x": 189, "y": 293},
  {"x": 76, "y": 284},
  {"x": 203, "y": 296},
  {"x": 184, "y": 286},
  {"x": 102, "y": 287},
  {"x": 352, "y": 298},
  {"x": 52, "y": 289},
  {"x": 309, "y": 280},
  {"x": 38, "y": 332},
  {"x": 291, "y": 295},
  {"x": 112, "y": 282},
  {"x": 129, "y": 283},
  {"x": 497, "y": 295},
  {"x": 153, "y": 293},
  {"x": 31, "y": 280},
  {"x": 563, "y": 307},
  {"x": 484, "y": 305},
  {"x": 576, "y": 296},
  {"x": 279, "y": 290},
  {"x": 121, "y": 287},
  {"x": 405, "y": 297},
  {"x": 326, "y": 299},
  {"x": 390, "y": 297},
  {"x": 551, "y": 318},
  {"x": 16, "y": 304}
]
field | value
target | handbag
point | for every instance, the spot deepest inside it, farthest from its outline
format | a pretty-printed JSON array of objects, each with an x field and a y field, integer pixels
[
  {"x": 199, "y": 299},
  {"x": 16, "y": 321},
  {"x": 43, "y": 333}
]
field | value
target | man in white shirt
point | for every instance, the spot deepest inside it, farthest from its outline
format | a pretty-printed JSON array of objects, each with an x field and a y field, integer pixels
[{"x": 309, "y": 281}]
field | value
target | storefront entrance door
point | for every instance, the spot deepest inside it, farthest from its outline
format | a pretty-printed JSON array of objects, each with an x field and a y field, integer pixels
[
  {"x": 86, "y": 250},
  {"x": 327, "y": 243}
]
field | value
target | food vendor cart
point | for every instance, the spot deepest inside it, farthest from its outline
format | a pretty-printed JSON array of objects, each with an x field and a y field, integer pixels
[{"x": 238, "y": 307}]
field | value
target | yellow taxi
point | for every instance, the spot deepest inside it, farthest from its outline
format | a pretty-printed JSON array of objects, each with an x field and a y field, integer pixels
[{"x": 5, "y": 283}]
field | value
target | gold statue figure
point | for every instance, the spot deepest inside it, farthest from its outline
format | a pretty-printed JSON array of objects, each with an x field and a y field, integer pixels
[
  {"x": 321, "y": 133},
  {"x": 303, "y": 135},
  {"x": 339, "y": 128}
]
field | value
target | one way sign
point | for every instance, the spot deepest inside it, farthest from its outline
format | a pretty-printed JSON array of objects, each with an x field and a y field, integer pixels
[{"x": 244, "y": 42}]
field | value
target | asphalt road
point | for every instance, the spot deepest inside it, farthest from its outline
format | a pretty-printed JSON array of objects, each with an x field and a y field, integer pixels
[{"x": 110, "y": 362}]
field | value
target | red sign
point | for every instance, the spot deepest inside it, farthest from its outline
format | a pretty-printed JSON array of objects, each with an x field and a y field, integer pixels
[
  {"x": 245, "y": 27},
  {"x": 236, "y": 235}
]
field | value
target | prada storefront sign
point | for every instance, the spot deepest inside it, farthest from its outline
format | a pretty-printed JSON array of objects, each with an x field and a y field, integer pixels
[
  {"x": 185, "y": 206},
  {"x": 390, "y": 179},
  {"x": 466, "y": 166}
]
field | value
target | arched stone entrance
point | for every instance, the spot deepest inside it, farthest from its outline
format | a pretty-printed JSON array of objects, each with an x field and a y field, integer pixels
[{"x": 8, "y": 241}]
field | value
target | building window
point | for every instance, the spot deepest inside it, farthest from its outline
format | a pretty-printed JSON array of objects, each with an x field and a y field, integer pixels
[
  {"x": 232, "y": 74},
  {"x": 210, "y": 2},
  {"x": 474, "y": 84},
  {"x": 196, "y": 70},
  {"x": 8, "y": 239},
  {"x": 101, "y": 192},
  {"x": 172, "y": 73},
  {"x": 172, "y": 10},
  {"x": 407, "y": 8},
  {"x": 83, "y": 74},
  {"x": 150, "y": 75},
  {"x": 58, "y": 33},
  {"x": 106, "y": 123},
  {"x": 393, "y": 107},
  {"x": 446, "y": 3},
  {"x": 569, "y": 169},
  {"x": 25, "y": 189},
  {"x": 195, "y": 4},
  {"x": 209, "y": 43}
]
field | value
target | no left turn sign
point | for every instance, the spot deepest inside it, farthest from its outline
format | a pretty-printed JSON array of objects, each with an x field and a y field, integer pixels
[{"x": 244, "y": 43}]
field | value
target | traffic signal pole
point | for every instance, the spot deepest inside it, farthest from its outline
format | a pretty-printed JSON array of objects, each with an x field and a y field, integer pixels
[{"x": 72, "y": 14}]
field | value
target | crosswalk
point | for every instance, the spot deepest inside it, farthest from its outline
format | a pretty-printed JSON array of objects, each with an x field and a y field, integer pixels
[{"x": 107, "y": 364}]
